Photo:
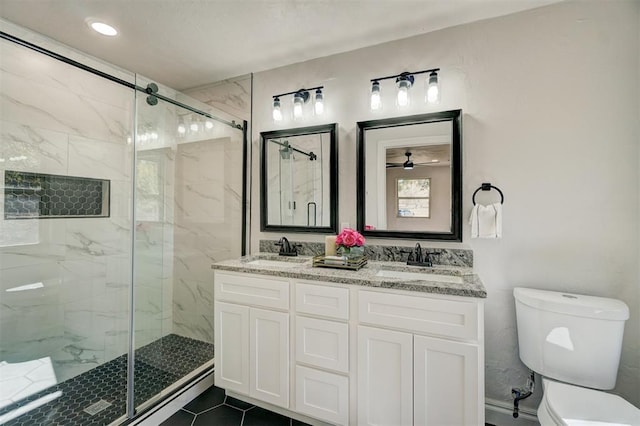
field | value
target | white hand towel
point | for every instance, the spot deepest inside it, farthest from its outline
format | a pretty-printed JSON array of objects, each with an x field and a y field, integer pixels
[{"x": 486, "y": 221}]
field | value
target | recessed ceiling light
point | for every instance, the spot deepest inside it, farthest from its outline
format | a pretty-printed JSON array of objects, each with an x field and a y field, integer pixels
[{"x": 102, "y": 28}]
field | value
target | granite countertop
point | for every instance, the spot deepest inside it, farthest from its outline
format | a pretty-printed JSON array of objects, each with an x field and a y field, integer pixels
[{"x": 443, "y": 281}]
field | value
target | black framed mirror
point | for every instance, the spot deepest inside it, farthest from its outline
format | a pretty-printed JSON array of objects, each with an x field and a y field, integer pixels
[
  {"x": 410, "y": 177},
  {"x": 299, "y": 180}
]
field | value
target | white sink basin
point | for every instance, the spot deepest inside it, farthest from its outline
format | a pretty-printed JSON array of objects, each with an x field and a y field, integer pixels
[
  {"x": 272, "y": 263},
  {"x": 419, "y": 276}
]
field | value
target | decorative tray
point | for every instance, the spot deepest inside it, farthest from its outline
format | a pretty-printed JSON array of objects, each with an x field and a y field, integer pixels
[{"x": 352, "y": 264}]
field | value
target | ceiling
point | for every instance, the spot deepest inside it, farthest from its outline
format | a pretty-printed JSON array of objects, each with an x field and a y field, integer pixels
[{"x": 189, "y": 43}]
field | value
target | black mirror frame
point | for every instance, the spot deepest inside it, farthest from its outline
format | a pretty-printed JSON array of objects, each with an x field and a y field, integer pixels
[
  {"x": 332, "y": 129},
  {"x": 455, "y": 116}
]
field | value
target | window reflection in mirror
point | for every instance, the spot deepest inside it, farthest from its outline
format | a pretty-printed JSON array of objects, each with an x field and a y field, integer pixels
[
  {"x": 412, "y": 197},
  {"x": 409, "y": 177},
  {"x": 298, "y": 186}
]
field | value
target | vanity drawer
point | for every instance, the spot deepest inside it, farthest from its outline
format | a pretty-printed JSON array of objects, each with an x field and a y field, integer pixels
[
  {"x": 326, "y": 301},
  {"x": 436, "y": 316},
  {"x": 249, "y": 289},
  {"x": 322, "y": 395},
  {"x": 322, "y": 343}
]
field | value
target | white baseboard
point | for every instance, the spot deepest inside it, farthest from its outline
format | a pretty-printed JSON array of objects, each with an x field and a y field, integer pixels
[{"x": 500, "y": 413}]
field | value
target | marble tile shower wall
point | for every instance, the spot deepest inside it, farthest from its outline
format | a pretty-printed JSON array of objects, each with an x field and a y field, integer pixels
[
  {"x": 154, "y": 250},
  {"x": 208, "y": 226},
  {"x": 208, "y": 207},
  {"x": 59, "y": 120}
]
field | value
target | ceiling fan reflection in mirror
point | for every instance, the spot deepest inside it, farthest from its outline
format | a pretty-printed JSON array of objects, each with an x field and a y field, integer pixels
[{"x": 409, "y": 164}]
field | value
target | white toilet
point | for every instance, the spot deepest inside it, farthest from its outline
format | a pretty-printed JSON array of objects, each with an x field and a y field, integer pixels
[{"x": 574, "y": 342}]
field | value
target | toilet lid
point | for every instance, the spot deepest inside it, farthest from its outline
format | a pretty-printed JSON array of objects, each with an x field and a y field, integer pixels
[{"x": 573, "y": 406}]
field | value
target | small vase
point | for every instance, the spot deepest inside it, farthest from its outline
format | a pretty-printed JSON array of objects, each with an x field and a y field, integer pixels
[{"x": 351, "y": 252}]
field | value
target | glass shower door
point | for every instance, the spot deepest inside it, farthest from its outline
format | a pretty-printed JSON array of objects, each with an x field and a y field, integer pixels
[
  {"x": 65, "y": 241},
  {"x": 188, "y": 215}
]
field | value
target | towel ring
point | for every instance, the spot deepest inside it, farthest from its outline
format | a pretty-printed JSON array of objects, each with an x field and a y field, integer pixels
[{"x": 487, "y": 187}]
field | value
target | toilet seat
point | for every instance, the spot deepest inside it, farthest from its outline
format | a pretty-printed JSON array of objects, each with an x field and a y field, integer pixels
[{"x": 575, "y": 406}]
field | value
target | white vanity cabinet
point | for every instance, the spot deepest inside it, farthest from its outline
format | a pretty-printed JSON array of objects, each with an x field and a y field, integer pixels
[
  {"x": 349, "y": 354},
  {"x": 322, "y": 351},
  {"x": 420, "y": 360},
  {"x": 252, "y": 336}
]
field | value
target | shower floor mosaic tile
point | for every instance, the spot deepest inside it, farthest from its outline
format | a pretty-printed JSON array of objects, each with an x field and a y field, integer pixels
[{"x": 103, "y": 389}]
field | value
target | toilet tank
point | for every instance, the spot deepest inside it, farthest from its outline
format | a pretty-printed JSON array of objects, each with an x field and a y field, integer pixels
[{"x": 570, "y": 337}]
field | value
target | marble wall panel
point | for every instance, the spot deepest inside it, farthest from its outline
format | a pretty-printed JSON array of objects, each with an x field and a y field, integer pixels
[
  {"x": 28, "y": 148},
  {"x": 89, "y": 157},
  {"x": 39, "y": 105},
  {"x": 232, "y": 96},
  {"x": 30, "y": 308},
  {"x": 193, "y": 325},
  {"x": 208, "y": 228}
]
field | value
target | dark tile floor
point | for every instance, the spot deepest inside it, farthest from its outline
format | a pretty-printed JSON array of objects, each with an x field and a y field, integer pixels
[
  {"x": 213, "y": 407},
  {"x": 157, "y": 365}
]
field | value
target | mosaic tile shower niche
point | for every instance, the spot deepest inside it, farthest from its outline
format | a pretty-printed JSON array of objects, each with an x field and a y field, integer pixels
[{"x": 37, "y": 195}]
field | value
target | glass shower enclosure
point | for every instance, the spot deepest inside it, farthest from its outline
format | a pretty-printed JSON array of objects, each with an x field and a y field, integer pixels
[{"x": 114, "y": 204}]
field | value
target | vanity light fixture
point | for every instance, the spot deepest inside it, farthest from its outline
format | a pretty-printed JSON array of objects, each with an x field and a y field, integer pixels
[
  {"x": 300, "y": 97},
  {"x": 376, "y": 102},
  {"x": 277, "y": 113},
  {"x": 433, "y": 89},
  {"x": 182, "y": 129},
  {"x": 318, "y": 105},
  {"x": 404, "y": 82}
]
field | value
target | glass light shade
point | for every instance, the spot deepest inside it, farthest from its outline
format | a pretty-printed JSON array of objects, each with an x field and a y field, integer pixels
[
  {"x": 182, "y": 129},
  {"x": 277, "y": 113},
  {"x": 319, "y": 102},
  {"x": 194, "y": 127},
  {"x": 376, "y": 100},
  {"x": 297, "y": 106},
  {"x": 208, "y": 124},
  {"x": 433, "y": 89},
  {"x": 403, "y": 93}
]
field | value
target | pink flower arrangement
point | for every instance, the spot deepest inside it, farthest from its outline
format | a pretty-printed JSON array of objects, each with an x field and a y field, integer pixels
[{"x": 350, "y": 238}]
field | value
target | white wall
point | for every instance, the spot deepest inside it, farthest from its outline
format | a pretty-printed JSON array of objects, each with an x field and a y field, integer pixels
[{"x": 550, "y": 104}]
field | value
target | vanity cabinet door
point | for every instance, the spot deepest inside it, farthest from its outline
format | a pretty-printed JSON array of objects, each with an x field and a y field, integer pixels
[
  {"x": 232, "y": 347},
  {"x": 385, "y": 377},
  {"x": 269, "y": 348},
  {"x": 447, "y": 382}
]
